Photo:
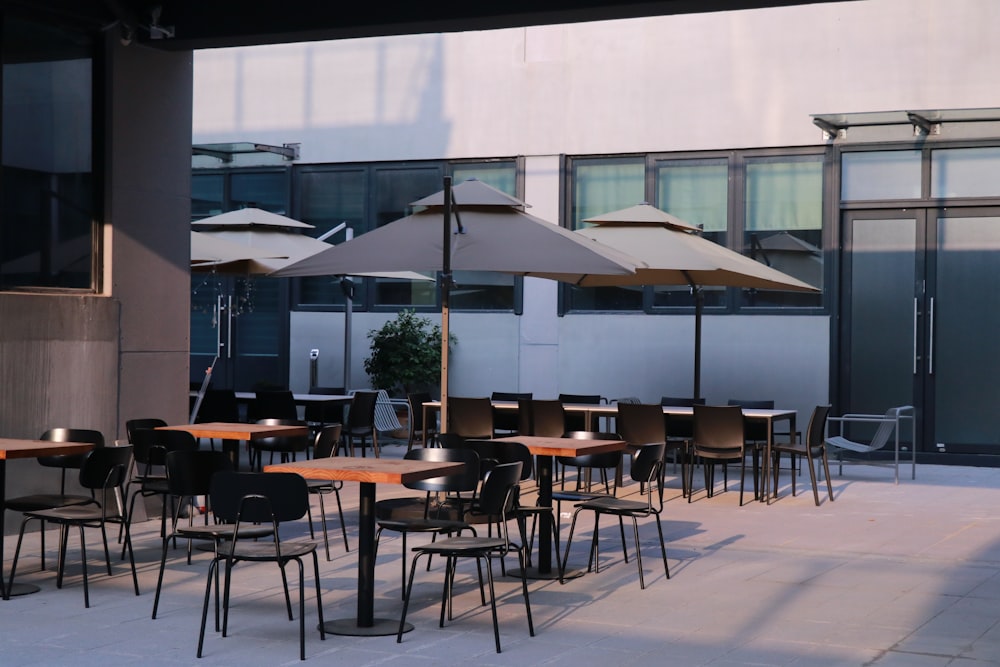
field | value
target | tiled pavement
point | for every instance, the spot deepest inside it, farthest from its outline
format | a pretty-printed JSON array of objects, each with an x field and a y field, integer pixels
[{"x": 886, "y": 575}]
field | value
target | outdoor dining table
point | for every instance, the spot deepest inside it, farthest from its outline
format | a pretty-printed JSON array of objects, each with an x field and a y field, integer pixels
[
  {"x": 231, "y": 433},
  {"x": 14, "y": 448},
  {"x": 544, "y": 450},
  {"x": 368, "y": 472}
]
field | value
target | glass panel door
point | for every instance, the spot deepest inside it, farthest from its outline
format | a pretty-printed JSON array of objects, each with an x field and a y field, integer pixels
[{"x": 964, "y": 320}]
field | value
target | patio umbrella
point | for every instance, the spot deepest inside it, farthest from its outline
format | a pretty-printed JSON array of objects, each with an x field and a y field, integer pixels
[
  {"x": 491, "y": 232},
  {"x": 675, "y": 253},
  {"x": 270, "y": 242}
]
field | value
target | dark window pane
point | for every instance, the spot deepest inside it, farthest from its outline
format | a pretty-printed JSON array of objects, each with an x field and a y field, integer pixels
[
  {"x": 47, "y": 216},
  {"x": 268, "y": 191},
  {"x": 327, "y": 199},
  {"x": 207, "y": 195}
]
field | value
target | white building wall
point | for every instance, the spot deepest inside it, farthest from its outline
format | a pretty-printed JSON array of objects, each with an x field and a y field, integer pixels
[{"x": 720, "y": 80}]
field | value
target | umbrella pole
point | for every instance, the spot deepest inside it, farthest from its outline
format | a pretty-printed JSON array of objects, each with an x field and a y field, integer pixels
[
  {"x": 347, "y": 285},
  {"x": 445, "y": 299},
  {"x": 699, "y": 303}
]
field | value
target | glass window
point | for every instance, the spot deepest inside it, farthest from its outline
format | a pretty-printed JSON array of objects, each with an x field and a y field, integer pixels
[
  {"x": 602, "y": 185},
  {"x": 965, "y": 172},
  {"x": 264, "y": 190},
  {"x": 784, "y": 225},
  {"x": 697, "y": 192},
  {"x": 47, "y": 210},
  {"x": 880, "y": 175},
  {"x": 326, "y": 199},
  {"x": 485, "y": 290},
  {"x": 207, "y": 195},
  {"x": 395, "y": 188}
]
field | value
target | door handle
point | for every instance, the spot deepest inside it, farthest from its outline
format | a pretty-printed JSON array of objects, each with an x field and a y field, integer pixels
[
  {"x": 218, "y": 325},
  {"x": 930, "y": 342},
  {"x": 915, "y": 308},
  {"x": 229, "y": 328}
]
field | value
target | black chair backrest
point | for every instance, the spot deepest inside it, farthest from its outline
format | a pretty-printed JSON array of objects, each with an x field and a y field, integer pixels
[
  {"x": 641, "y": 423},
  {"x": 754, "y": 431},
  {"x": 718, "y": 431},
  {"x": 499, "y": 452},
  {"x": 470, "y": 417},
  {"x": 647, "y": 461},
  {"x": 327, "y": 442},
  {"x": 416, "y": 400},
  {"x": 69, "y": 435},
  {"x": 150, "y": 446},
  {"x": 816, "y": 433},
  {"x": 495, "y": 498},
  {"x": 681, "y": 401},
  {"x": 451, "y": 440},
  {"x": 133, "y": 425},
  {"x": 576, "y": 421},
  {"x": 105, "y": 467},
  {"x": 189, "y": 472},
  {"x": 505, "y": 420},
  {"x": 219, "y": 405},
  {"x": 362, "y": 413},
  {"x": 325, "y": 412},
  {"x": 541, "y": 417},
  {"x": 272, "y": 404},
  {"x": 270, "y": 496},
  {"x": 605, "y": 460},
  {"x": 297, "y": 443},
  {"x": 466, "y": 480}
]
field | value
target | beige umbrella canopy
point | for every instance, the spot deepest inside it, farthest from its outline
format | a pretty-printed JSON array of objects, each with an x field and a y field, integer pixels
[
  {"x": 674, "y": 253},
  {"x": 209, "y": 252},
  {"x": 491, "y": 232}
]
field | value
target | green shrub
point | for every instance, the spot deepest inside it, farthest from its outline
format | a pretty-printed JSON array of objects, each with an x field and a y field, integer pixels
[{"x": 405, "y": 354}]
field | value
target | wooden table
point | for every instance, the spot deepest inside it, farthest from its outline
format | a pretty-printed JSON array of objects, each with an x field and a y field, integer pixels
[
  {"x": 545, "y": 449},
  {"x": 231, "y": 433},
  {"x": 368, "y": 472},
  {"x": 13, "y": 448}
]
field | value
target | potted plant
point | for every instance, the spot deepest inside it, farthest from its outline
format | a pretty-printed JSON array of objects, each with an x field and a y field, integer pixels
[{"x": 405, "y": 354}]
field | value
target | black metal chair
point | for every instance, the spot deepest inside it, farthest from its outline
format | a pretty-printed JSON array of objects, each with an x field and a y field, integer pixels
[
  {"x": 272, "y": 404},
  {"x": 602, "y": 464},
  {"x": 578, "y": 422},
  {"x": 327, "y": 444},
  {"x": 150, "y": 448},
  {"x": 285, "y": 446},
  {"x": 218, "y": 405},
  {"x": 189, "y": 474},
  {"x": 644, "y": 423},
  {"x": 438, "y": 516},
  {"x": 718, "y": 438},
  {"x": 318, "y": 415},
  {"x": 103, "y": 469},
  {"x": 361, "y": 421},
  {"x": 497, "y": 499},
  {"x": 541, "y": 417},
  {"x": 420, "y": 432},
  {"x": 470, "y": 418},
  {"x": 813, "y": 449},
  {"x": 43, "y": 501},
  {"x": 505, "y": 421},
  {"x": 645, "y": 469},
  {"x": 268, "y": 499}
]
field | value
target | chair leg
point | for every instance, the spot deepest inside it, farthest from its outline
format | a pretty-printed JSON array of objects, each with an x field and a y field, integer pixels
[
  {"x": 663, "y": 547},
  {"x": 83, "y": 565},
  {"x": 638, "y": 551},
  {"x": 812, "y": 478},
  {"x": 826, "y": 470},
  {"x": 159, "y": 578},
  {"x": 319, "y": 595},
  {"x": 343, "y": 526},
  {"x": 322, "y": 518},
  {"x": 212, "y": 567},
  {"x": 406, "y": 600},
  {"x": 524, "y": 591},
  {"x": 493, "y": 602}
]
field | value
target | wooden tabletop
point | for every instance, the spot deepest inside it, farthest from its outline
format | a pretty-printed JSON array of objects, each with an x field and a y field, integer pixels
[
  {"x": 237, "y": 431},
  {"x": 15, "y": 448},
  {"x": 547, "y": 446},
  {"x": 358, "y": 469}
]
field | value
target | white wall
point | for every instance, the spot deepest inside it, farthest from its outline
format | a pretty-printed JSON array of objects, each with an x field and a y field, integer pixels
[{"x": 722, "y": 80}]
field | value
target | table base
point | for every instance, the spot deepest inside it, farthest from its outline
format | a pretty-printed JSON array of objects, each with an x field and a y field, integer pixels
[
  {"x": 21, "y": 589},
  {"x": 348, "y": 627}
]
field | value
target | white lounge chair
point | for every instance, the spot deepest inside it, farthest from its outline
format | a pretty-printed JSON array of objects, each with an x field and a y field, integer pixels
[{"x": 888, "y": 426}]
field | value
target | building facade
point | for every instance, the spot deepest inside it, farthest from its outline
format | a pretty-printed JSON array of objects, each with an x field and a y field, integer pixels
[{"x": 854, "y": 145}]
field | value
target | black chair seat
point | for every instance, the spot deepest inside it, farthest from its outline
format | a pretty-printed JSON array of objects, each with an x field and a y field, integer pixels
[
  {"x": 424, "y": 525},
  {"x": 69, "y": 514},
  {"x": 463, "y": 545},
  {"x": 610, "y": 505},
  {"x": 43, "y": 501},
  {"x": 220, "y": 532},
  {"x": 264, "y": 551}
]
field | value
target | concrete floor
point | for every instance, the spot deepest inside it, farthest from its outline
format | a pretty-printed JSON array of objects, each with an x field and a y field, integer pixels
[{"x": 886, "y": 575}]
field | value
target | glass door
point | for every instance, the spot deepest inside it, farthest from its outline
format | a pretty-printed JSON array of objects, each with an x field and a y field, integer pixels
[
  {"x": 919, "y": 322},
  {"x": 239, "y": 325}
]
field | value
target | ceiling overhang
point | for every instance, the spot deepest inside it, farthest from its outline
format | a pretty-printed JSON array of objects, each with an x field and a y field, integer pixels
[
  {"x": 188, "y": 24},
  {"x": 926, "y": 122}
]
